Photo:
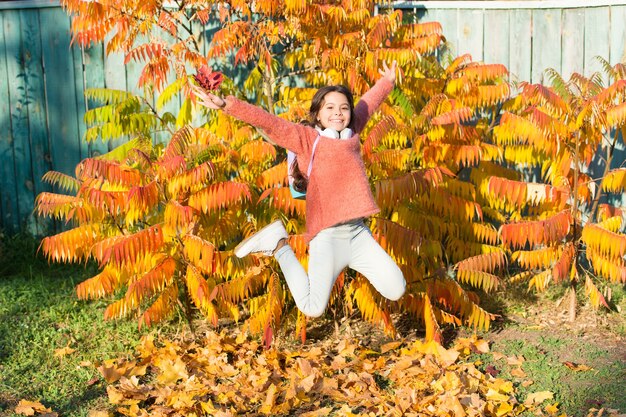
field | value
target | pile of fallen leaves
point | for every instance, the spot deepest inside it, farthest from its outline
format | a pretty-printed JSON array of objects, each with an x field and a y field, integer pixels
[{"x": 226, "y": 375}]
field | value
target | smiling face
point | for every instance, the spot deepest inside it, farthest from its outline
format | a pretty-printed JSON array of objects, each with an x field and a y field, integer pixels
[{"x": 335, "y": 111}]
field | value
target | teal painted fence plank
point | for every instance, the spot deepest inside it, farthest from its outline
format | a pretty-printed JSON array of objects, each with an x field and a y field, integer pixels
[
  {"x": 36, "y": 98},
  {"x": 520, "y": 52},
  {"x": 114, "y": 78},
  {"x": 19, "y": 99},
  {"x": 546, "y": 43},
  {"x": 93, "y": 76},
  {"x": 617, "y": 52},
  {"x": 133, "y": 73},
  {"x": 114, "y": 71},
  {"x": 79, "y": 88},
  {"x": 60, "y": 91},
  {"x": 163, "y": 136},
  {"x": 10, "y": 214},
  {"x": 496, "y": 37},
  {"x": 596, "y": 39},
  {"x": 173, "y": 106},
  {"x": 470, "y": 33},
  {"x": 572, "y": 55}
]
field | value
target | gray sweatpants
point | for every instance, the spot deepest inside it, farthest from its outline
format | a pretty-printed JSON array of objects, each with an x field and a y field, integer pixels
[{"x": 330, "y": 251}]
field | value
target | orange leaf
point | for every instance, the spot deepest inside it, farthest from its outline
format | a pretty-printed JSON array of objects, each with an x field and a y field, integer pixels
[{"x": 577, "y": 367}]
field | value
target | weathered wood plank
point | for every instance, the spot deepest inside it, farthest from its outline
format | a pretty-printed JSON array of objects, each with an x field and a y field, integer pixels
[
  {"x": 37, "y": 120},
  {"x": 470, "y": 33},
  {"x": 546, "y": 43},
  {"x": 114, "y": 71},
  {"x": 79, "y": 88},
  {"x": 94, "y": 77},
  {"x": 60, "y": 90},
  {"x": 133, "y": 73},
  {"x": 10, "y": 214},
  {"x": 164, "y": 136},
  {"x": 114, "y": 78},
  {"x": 520, "y": 52},
  {"x": 617, "y": 52},
  {"x": 596, "y": 39},
  {"x": 572, "y": 55},
  {"x": 449, "y": 24},
  {"x": 18, "y": 75},
  {"x": 496, "y": 37}
]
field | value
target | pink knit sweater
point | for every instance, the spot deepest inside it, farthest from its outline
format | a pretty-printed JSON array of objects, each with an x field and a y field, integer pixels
[{"x": 338, "y": 189}]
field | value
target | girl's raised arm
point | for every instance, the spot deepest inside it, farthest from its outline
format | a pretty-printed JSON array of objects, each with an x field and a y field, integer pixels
[
  {"x": 289, "y": 135},
  {"x": 374, "y": 97}
]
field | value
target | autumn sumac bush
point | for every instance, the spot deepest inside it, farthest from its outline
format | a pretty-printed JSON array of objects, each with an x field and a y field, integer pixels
[
  {"x": 443, "y": 153},
  {"x": 557, "y": 229}
]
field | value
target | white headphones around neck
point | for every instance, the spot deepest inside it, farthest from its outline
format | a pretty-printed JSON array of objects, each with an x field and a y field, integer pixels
[{"x": 329, "y": 132}]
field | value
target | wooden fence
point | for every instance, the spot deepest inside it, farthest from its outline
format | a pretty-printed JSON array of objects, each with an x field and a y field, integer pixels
[
  {"x": 43, "y": 76},
  {"x": 530, "y": 36}
]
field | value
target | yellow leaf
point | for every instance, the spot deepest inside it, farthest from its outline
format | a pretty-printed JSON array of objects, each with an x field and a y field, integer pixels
[
  {"x": 270, "y": 400},
  {"x": 307, "y": 383},
  {"x": 493, "y": 395},
  {"x": 552, "y": 409},
  {"x": 115, "y": 395},
  {"x": 538, "y": 397},
  {"x": 321, "y": 412},
  {"x": 390, "y": 346},
  {"x": 171, "y": 371},
  {"x": 518, "y": 373},
  {"x": 481, "y": 346},
  {"x": 98, "y": 413},
  {"x": 59, "y": 353},
  {"x": 513, "y": 360},
  {"x": 452, "y": 403},
  {"x": 346, "y": 348},
  {"x": 112, "y": 372},
  {"x": 29, "y": 408},
  {"x": 504, "y": 409}
]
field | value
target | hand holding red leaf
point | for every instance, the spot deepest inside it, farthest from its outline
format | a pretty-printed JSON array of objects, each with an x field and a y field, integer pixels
[{"x": 208, "y": 79}]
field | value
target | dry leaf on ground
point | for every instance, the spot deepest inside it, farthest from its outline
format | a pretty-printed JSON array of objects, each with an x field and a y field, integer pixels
[{"x": 232, "y": 375}]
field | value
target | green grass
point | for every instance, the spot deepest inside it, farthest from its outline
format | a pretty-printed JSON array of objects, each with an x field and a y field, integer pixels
[
  {"x": 39, "y": 313},
  {"x": 545, "y": 352}
]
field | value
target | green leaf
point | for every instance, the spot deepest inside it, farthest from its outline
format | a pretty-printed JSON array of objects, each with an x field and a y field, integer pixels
[
  {"x": 170, "y": 92},
  {"x": 184, "y": 115}
]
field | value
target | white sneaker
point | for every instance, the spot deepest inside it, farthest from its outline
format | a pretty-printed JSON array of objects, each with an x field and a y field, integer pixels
[{"x": 264, "y": 241}]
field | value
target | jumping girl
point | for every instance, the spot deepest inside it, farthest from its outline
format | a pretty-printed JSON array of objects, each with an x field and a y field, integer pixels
[{"x": 338, "y": 196}]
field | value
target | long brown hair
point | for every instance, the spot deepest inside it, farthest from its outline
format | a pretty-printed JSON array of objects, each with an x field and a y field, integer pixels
[{"x": 300, "y": 181}]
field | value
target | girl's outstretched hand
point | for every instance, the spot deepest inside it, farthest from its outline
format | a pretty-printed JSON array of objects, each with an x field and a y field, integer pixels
[
  {"x": 207, "y": 99},
  {"x": 389, "y": 72}
]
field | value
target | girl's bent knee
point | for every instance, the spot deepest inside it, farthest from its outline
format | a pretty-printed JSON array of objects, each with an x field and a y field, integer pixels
[
  {"x": 396, "y": 291},
  {"x": 313, "y": 313}
]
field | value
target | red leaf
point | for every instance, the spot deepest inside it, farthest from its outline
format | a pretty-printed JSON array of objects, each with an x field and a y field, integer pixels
[
  {"x": 268, "y": 336},
  {"x": 208, "y": 79}
]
